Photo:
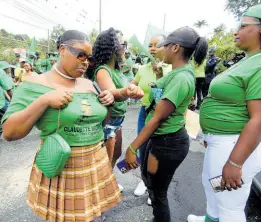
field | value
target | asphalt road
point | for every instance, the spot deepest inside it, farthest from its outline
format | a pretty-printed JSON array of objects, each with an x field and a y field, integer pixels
[{"x": 186, "y": 194}]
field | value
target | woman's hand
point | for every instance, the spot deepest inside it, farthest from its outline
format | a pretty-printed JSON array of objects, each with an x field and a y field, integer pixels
[
  {"x": 134, "y": 91},
  {"x": 131, "y": 162},
  {"x": 59, "y": 98},
  {"x": 231, "y": 177},
  {"x": 106, "y": 98}
]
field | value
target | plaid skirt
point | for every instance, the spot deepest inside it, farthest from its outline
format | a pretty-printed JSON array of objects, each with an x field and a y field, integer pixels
[{"x": 85, "y": 188}]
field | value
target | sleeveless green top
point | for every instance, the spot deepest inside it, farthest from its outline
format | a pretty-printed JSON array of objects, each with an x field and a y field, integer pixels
[
  {"x": 119, "y": 108},
  {"x": 80, "y": 121}
]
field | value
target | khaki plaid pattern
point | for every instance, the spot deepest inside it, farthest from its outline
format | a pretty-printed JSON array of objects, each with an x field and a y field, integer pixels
[{"x": 85, "y": 188}]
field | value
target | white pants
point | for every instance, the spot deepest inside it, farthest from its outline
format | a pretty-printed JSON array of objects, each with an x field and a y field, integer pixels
[{"x": 227, "y": 206}]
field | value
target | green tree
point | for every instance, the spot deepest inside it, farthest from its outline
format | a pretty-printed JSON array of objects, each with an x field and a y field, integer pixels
[
  {"x": 225, "y": 47},
  {"x": 237, "y": 7},
  {"x": 4, "y": 33},
  {"x": 93, "y": 35},
  {"x": 201, "y": 23},
  {"x": 56, "y": 32},
  {"x": 220, "y": 28}
]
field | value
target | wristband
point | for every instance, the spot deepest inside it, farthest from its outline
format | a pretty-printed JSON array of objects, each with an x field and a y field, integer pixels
[
  {"x": 234, "y": 164},
  {"x": 132, "y": 150}
]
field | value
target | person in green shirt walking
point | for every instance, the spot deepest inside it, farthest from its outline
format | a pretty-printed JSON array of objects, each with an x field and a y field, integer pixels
[
  {"x": 38, "y": 63},
  {"x": 128, "y": 66},
  {"x": 5, "y": 68},
  {"x": 165, "y": 123},
  {"x": 62, "y": 101},
  {"x": 46, "y": 64},
  {"x": 31, "y": 60},
  {"x": 6, "y": 89},
  {"x": 146, "y": 75},
  {"x": 108, "y": 51},
  {"x": 230, "y": 117},
  {"x": 6, "y": 79}
]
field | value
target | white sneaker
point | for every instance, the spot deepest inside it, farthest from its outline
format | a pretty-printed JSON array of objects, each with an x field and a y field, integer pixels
[
  {"x": 149, "y": 202},
  {"x": 193, "y": 218},
  {"x": 120, "y": 187},
  {"x": 140, "y": 189}
]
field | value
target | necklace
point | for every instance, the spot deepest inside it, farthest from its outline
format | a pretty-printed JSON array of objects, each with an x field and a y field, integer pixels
[{"x": 63, "y": 75}]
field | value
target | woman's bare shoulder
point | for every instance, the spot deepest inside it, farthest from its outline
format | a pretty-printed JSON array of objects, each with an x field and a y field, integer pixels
[{"x": 40, "y": 79}]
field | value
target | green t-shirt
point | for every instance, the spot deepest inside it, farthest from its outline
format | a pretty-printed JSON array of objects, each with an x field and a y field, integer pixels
[
  {"x": 46, "y": 65},
  {"x": 224, "y": 111},
  {"x": 128, "y": 63},
  {"x": 178, "y": 87},
  {"x": 119, "y": 108},
  {"x": 81, "y": 120},
  {"x": 200, "y": 70},
  {"x": 31, "y": 61},
  {"x": 4, "y": 85},
  {"x": 145, "y": 76},
  {"x": 8, "y": 80},
  {"x": 2, "y": 98},
  {"x": 38, "y": 65}
]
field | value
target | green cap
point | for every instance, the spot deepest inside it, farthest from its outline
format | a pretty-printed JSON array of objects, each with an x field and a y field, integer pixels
[
  {"x": 5, "y": 65},
  {"x": 254, "y": 11}
]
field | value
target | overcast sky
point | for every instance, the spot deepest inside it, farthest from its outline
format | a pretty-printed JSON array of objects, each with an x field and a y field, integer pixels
[{"x": 130, "y": 16}]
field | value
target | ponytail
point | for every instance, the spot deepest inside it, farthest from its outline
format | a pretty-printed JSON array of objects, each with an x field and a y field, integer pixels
[
  {"x": 200, "y": 52},
  {"x": 58, "y": 42}
]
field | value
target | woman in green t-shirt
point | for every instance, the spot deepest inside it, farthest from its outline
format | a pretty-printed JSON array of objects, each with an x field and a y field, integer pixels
[
  {"x": 86, "y": 187},
  {"x": 108, "y": 53},
  {"x": 165, "y": 123},
  {"x": 230, "y": 117},
  {"x": 146, "y": 75}
]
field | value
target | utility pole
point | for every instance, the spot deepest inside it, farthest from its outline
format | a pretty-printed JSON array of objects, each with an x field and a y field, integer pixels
[
  {"x": 48, "y": 41},
  {"x": 100, "y": 16},
  {"x": 164, "y": 24}
]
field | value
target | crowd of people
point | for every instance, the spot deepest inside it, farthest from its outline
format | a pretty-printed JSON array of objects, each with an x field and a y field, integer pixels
[{"x": 80, "y": 95}]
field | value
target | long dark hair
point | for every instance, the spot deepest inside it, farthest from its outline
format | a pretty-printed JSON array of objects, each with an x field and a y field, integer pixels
[
  {"x": 105, "y": 46},
  {"x": 200, "y": 51}
]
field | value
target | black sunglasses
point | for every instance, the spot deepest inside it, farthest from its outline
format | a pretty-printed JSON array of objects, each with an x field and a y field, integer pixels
[{"x": 79, "y": 54}]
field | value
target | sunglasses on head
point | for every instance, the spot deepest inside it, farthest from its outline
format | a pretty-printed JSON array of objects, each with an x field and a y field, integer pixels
[{"x": 79, "y": 54}]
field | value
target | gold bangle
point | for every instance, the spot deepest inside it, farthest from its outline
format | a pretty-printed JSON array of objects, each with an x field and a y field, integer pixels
[{"x": 234, "y": 164}]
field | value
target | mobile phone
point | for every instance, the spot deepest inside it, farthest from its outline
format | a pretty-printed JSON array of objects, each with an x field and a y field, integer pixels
[
  {"x": 216, "y": 183},
  {"x": 122, "y": 165},
  {"x": 97, "y": 87}
]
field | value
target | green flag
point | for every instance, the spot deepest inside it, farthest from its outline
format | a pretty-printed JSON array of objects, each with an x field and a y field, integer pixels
[
  {"x": 151, "y": 32},
  {"x": 134, "y": 41},
  {"x": 33, "y": 46}
]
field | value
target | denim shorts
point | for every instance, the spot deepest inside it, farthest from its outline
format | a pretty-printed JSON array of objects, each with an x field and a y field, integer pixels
[{"x": 114, "y": 124}]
